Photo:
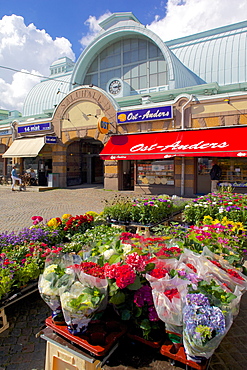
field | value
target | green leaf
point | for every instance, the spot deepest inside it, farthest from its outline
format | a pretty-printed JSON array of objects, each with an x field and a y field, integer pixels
[
  {"x": 136, "y": 285},
  {"x": 149, "y": 267},
  {"x": 118, "y": 298},
  {"x": 125, "y": 315},
  {"x": 145, "y": 324},
  {"x": 114, "y": 259}
]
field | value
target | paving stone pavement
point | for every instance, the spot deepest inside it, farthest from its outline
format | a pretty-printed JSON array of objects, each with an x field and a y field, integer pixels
[{"x": 19, "y": 347}]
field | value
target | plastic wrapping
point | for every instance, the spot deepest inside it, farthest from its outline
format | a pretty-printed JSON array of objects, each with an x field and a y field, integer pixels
[
  {"x": 224, "y": 272},
  {"x": 53, "y": 277},
  {"x": 203, "y": 319},
  {"x": 169, "y": 310},
  {"x": 81, "y": 299}
]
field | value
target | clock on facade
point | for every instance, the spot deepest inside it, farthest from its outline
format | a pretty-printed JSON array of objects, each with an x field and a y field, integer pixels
[{"x": 115, "y": 86}]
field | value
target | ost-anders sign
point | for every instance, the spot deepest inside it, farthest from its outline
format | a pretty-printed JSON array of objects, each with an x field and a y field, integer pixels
[{"x": 141, "y": 115}]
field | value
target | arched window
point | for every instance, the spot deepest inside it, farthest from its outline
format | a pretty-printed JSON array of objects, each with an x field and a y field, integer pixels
[{"x": 137, "y": 61}]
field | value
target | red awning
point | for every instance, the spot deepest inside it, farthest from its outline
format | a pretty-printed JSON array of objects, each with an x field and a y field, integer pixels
[{"x": 215, "y": 142}]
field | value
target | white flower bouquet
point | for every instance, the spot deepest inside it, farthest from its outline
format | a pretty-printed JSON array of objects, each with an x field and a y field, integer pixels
[{"x": 53, "y": 277}]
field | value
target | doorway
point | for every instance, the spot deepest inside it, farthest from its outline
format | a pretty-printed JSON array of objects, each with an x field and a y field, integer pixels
[
  {"x": 203, "y": 177},
  {"x": 127, "y": 170},
  {"x": 84, "y": 165}
]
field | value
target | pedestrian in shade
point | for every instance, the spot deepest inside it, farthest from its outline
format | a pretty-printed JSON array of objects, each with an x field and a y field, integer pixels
[{"x": 15, "y": 178}]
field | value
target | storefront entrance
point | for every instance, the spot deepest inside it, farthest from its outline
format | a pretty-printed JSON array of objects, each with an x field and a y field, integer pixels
[
  {"x": 203, "y": 177},
  {"x": 84, "y": 165},
  {"x": 126, "y": 168}
]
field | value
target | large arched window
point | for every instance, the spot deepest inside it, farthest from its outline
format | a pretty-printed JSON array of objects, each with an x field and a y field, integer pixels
[{"x": 137, "y": 61}]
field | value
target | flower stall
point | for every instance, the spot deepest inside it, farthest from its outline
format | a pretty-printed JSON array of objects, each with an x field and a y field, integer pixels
[{"x": 177, "y": 290}]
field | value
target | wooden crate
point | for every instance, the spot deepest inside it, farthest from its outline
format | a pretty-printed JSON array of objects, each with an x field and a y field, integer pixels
[{"x": 58, "y": 358}]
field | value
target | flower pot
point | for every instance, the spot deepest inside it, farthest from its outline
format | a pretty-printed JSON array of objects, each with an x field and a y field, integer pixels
[{"x": 97, "y": 338}]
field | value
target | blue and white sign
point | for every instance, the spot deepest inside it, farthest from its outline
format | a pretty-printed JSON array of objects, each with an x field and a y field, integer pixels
[
  {"x": 142, "y": 115},
  {"x": 5, "y": 132},
  {"x": 34, "y": 128},
  {"x": 50, "y": 139}
]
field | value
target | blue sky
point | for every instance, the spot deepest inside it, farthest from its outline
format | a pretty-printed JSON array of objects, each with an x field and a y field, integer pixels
[
  {"x": 67, "y": 18},
  {"x": 35, "y": 33}
]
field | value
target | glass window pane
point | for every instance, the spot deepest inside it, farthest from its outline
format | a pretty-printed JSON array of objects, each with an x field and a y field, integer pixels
[
  {"x": 127, "y": 57},
  {"x": 142, "y": 54},
  {"x": 153, "y": 66},
  {"x": 134, "y": 71},
  {"x": 94, "y": 66},
  {"x": 162, "y": 66},
  {"x": 153, "y": 80},
  {"x": 126, "y": 45},
  {"x": 126, "y": 72},
  {"x": 134, "y": 56},
  {"x": 134, "y": 83},
  {"x": 143, "y": 69},
  {"x": 134, "y": 44},
  {"x": 143, "y": 82},
  {"x": 152, "y": 51},
  {"x": 162, "y": 78}
]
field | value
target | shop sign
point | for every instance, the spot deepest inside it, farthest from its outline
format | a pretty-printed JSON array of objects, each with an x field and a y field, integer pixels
[
  {"x": 34, "y": 128},
  {"x": 50, "y": 139},
  {"x": 103, "y": 125},
  {"x": 218, "y": 142},
  {"x": 4, "y": 132},
  {"x": 142, "y": 115}
]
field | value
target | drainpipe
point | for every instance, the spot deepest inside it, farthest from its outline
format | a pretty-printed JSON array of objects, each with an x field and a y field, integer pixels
[
  {"x": 182, "y": 111},
  {"x": 183, "y": 159}
]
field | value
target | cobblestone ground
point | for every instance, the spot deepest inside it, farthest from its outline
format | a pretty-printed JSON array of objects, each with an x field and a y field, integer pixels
[{"x": 19, "y": 347}]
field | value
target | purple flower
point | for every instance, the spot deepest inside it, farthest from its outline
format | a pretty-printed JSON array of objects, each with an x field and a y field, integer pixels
[{"x": 197, "y": 299}]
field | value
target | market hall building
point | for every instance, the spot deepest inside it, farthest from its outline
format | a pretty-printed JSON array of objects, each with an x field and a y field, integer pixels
[{"x": 135, "y": 113}]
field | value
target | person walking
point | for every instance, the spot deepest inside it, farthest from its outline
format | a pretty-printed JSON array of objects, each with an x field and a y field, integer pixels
[
  {"x": 15, "y": 178},
  {"x": 215, "y": 175}
]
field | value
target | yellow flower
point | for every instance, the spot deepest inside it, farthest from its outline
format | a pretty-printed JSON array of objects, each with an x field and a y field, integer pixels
[
  {"x": 225, "y": 221},
  {"x": 207, "y": 220},
  {"x": 53, "y": 223},
  {"x": 92, "y": 213},
  {"x": 66, "y": 216},
  {"x": 49, "y": 269},
  {"x": 215, "y": 222}
]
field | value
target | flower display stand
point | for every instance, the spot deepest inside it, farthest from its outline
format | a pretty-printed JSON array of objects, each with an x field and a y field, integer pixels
[
  {"x": 11, "y": 299},
  {"x": 98, "y": 339},
  {"x": 168, "y": 350},
  {"x": 4, "y": 321}
]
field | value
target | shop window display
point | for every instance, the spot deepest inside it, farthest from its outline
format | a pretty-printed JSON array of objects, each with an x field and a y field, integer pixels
[
  {"x": 155, "y": 172},
  {"x": 234, "y": 170}
]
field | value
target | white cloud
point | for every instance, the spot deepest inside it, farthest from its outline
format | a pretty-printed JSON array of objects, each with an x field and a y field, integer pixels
[
  {"x": 187, "y": 17},
  {"x": 94, "y": 28},
  {"x": 29, "y": 49}
]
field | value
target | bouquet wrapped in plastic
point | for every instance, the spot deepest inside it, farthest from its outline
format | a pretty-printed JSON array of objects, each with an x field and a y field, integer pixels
[
  {"x": 168, "y": 295},
  {"x": 83, "y": 296},
  {"x": 204, "y": 327},
  {"x": 224, "y": 272},
  {"x": 53, "y": 277}
]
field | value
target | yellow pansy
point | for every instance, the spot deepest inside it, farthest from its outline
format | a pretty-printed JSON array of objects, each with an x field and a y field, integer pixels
[
  {"x": 207, "y": 220},
  {"x": 92, "y": 213},
  {"x": 52, "y": 223},
  {"x": 216, "y": 221},
  {"x": 66, "y": 216}
]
